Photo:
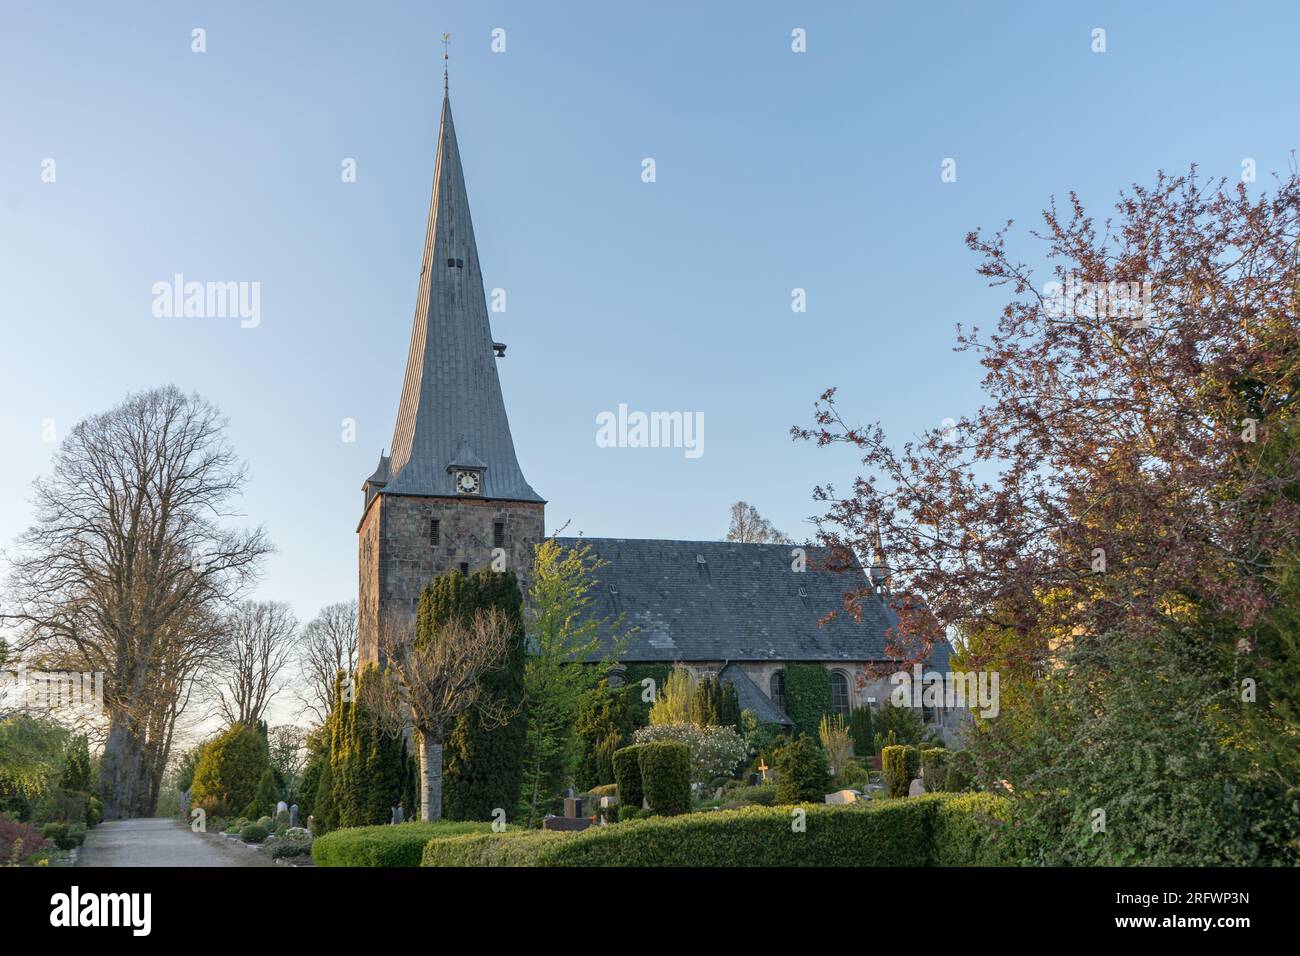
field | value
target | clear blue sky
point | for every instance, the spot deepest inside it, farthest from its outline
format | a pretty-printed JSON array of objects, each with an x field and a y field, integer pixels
[{"x": 775, "y": 170}]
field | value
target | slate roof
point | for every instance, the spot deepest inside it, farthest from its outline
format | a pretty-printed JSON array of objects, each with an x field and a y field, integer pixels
[
  {"x": 451, "y": 396},
  {"x": 750, "y": 698},
  {"x": 742, "y": 604}
]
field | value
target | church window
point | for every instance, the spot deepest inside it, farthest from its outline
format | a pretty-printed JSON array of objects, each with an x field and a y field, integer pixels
[
  {"x": 499, "y": 534},
  {"x": 776, "y": 689},
  {"x": 464, "y": 567},
  {"x": 434, "y": 531},
  {"x": 840, "y": 693}
]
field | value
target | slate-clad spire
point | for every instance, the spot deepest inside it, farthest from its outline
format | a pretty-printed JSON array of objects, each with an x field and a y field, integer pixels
[{"x": 452, "y": 395}]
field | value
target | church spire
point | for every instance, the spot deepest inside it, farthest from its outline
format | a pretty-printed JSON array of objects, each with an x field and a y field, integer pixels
[{"x": 451, "y": 408}]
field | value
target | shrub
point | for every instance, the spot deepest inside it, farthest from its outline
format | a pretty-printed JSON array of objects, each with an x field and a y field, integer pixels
[
  {"x": 627, "y": 776},
  {"x": 715, "y": 752},
  {"x": 763, "y": 795},
  {"x": 900, "y": 764},
  {"x": 65, "y": 836},
  {"x": 854, "y": 776},
  {"x": 860, "y": 727},
  {"x": 833, "y": 733},
  {"x": 265, "y": 822},
  {"x": 62, "y": 806},
  {"x": 386, "y": 846},
  {"x": 604, "y": 790},
  {"x": 934, "y": 768},
  {"x": 666, "y": 776},
  {"x": 801, "y": 772},
  {"x": 266, "y": 797},
  {"x": 94, "y": 811},
  {"x": 229, "y": 770},
  {"x": 881, "y": 833},
  {"x": 961, "y": 772},
  {"x": 253, "y": 833},
  {"x": 76, "y": 765},
  {"x": 627, "y": 812},
  {"x": 18, "y": 841},
  {"x": 295, "y": 843}
]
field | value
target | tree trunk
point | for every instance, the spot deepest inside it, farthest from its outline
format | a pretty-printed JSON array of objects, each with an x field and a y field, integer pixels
[
  {"x": 123, "y": 775},
  {"x": 430, "y": 778}
]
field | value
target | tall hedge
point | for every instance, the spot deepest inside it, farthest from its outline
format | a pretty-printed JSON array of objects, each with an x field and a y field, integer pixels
[
  {"x": 899, "y": 764},
  {"x": 264, "y": 799},
  {"x": 666, "y": 776},
  {"x": 482, "y": 764},
  {"x": 229, "y": 770},
  {"x": 371, "y": 769},
  {"x": 860, "y": 727},
  {"x": 807, "y": 696},
  {"x": 924, "y": 831},
  {"x": 627, "y": 774},
  {"x": 802, "y": 772}
]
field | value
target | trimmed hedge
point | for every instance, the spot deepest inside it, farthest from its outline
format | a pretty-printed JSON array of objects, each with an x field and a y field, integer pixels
[
  {"x": 923, "y": 831},
  {"x": 666, "y": 776},
  {"x": 900, "y": 764},
  {"x": 398, "y": 845},
  {"x": 627, "y": 776},
  {"x": 229, "y": 770},
  {"x": 970, "y": 829},
  {"x": 801, "y": 772}
]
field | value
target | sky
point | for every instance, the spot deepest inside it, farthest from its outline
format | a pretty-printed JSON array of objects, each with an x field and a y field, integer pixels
[{"x": 775, "y": 170}]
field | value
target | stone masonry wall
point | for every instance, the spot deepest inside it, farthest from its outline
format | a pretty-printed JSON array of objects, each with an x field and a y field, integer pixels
[{"x": 398, "y": 558}]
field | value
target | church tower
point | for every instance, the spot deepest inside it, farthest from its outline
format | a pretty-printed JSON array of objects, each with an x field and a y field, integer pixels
[{"x": 451, "y": 496}]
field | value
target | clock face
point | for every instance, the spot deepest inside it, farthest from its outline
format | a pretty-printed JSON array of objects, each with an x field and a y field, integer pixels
[{"x": 467, "y": 482}]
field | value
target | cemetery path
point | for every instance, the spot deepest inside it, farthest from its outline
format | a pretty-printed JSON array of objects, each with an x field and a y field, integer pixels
[{"x": 161, "y": 841}]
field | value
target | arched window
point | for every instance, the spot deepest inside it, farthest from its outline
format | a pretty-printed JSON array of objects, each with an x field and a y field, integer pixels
[
  {"x": 776, "y": 689},
  {"x": 840, "y": 694}
]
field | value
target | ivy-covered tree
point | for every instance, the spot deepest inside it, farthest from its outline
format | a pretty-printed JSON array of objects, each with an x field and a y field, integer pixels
[{"x": 483, "y": 760}]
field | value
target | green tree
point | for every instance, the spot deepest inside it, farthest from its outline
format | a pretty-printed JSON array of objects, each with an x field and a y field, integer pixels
[
  {"x": 229, "y": 770},
  {"x": 76, "y": 765},
  {"x": 564, "y": 664},
  {"x": 370, "y": 767},
  {"x": 483, "y": 760}
]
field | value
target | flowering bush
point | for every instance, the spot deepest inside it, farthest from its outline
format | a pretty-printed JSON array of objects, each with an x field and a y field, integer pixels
[
  {"x": 19, "y": 840},
  {"x": 715, "y": 751}
]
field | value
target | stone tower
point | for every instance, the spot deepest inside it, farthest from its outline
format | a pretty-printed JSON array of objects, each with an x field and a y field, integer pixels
[{"x": 451, "y": 495}]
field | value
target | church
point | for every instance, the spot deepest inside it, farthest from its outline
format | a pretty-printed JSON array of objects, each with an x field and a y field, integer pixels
[{"x": 451, "y": 495}]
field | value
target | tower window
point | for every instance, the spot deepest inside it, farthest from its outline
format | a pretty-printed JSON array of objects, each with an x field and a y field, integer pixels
[
  {"x": 455, "y": 263},
  {"x": 464, "y": 567},
  {"x": 460, "y": 263},
  {"x": 499, "y": 534},
  {"x": 435, "y": 534}
]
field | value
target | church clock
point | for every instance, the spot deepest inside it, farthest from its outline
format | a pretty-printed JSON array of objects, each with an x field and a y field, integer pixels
[{"x": 467, "y": 482}]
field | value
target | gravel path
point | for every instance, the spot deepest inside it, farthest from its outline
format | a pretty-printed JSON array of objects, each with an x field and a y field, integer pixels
[{"x": 161, "y": 841}]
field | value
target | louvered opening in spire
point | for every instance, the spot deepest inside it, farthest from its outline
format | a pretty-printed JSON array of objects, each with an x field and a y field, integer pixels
[{"x": 452, "y": 395}]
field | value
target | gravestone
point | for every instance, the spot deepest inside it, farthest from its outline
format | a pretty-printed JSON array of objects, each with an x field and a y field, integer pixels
[
  {"x": 840, "y": 797},
  {"x": 280, "y": 808},
  {"x": 572, "y": 805},
  {"x": 293, "y": 815},
  {"x": 398, "y": 815},
  {"x": 311, "y": 824},
  {"x": 916, "y": 789}
]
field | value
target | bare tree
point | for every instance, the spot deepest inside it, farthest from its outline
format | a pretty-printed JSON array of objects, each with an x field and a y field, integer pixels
[
  {"x": 328, "y": 645},
  {"x": 127, "y": 558},
  {"x": 432, "y": 675},
  {"x": 260, "y": 640},
  {"x": 750, "y": 527}
]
